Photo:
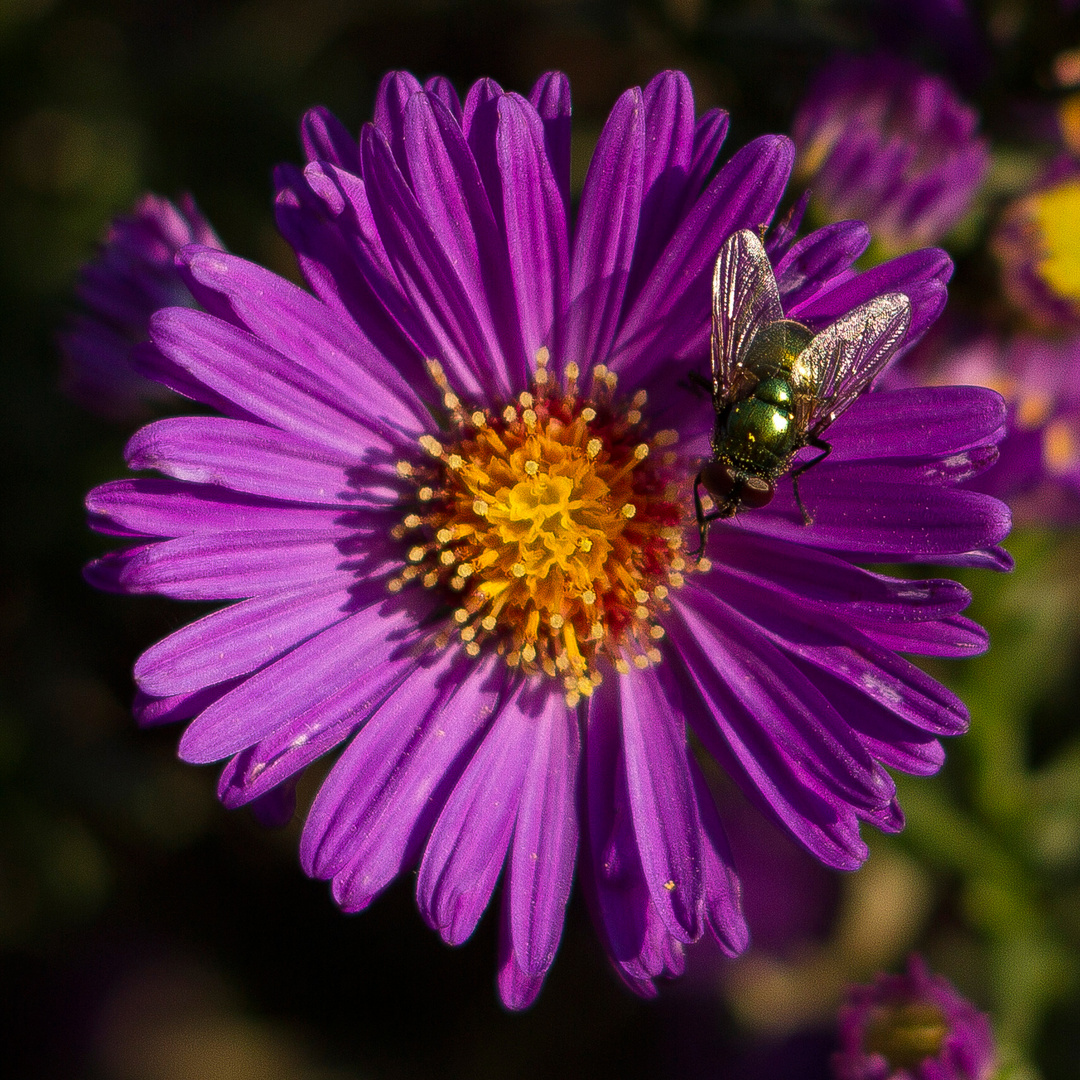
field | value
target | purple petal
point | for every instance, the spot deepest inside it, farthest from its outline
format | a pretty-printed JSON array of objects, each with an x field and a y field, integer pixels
[
  {"x": 723, "y": 894},
  {"x": 389, "y": 117},
  {"x": 662, "y": 800},
  {"x": 218, "y": 566},
  {"x": 314, "y": 732},
  {"x": 374, "y": 811},
  {"x": 882, "y": 522},
  {"x": 325, "y": 138},
  {"x": 517, "y": 989},
  {"x": 937, "y": 421},
  {"x": 830, "y": 585},
  {"x": 439, "y": 86},
  {"x": 152, "y": 712},
  {"x": 536, "y": 224},
  {"x": 274, "y": 809},
  {"x": 606, "y": 230},
  {"x": 709, "y": 134},
  {"x": 342, "y": 656},
  {"x": 435, "y": 289},
  {"x": 280, "y": 390},
  {"x": 890, "y": 738},
  {"x": 846, "y": 654},
  {"x": 480, "y": 123},
  {"x": 614, "y": 884},
  {"x": 469, "y": 842},
  {"x": 821, "y": 256},
  {"x": 954, "y": 636},
  {"x": 671, "y": 314},
  {"x": 920, "y": 276},
  {"x": 454, "y": 202},
  {"x": 252, "y": 458},
  {"x": 730, "y": 725},
  {"x": 239, "y": 638},
  {"x": 296, "y": 325},
  {"x": 541, "y": 865},
  {"x": 668, "y": 101},
  {"x": 551, "y": 99},
  {"x": 149, "y": 363},
  {"x": 151, "y": 507}
]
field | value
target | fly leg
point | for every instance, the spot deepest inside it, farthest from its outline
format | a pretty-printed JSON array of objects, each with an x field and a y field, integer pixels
[
  {"x": 695, "y": 382},
  {"x": 826, "y": 450},
  {"x": 703, "y": 519}
]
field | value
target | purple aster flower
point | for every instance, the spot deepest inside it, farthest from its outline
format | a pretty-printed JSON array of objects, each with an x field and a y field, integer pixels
[
  {"x": 1038, "y": 468},
  {"x": 133, "y": 276},
  {"x": 450, "y": 494},
  {"x": 912, "y": 1027},
  {"x": 882, "y": 141},
  {"x": 1036, "y": 246}
]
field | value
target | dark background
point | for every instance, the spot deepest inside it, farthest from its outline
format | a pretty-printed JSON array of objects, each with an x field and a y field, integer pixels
[{"x": 148, "y": 934}]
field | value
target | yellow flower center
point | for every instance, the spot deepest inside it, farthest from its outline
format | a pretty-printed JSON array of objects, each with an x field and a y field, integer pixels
[
  {"x": 906, "y": 1034},
  {"x": 554, "y": 525},
  {"x": 1056, "y": 213}
]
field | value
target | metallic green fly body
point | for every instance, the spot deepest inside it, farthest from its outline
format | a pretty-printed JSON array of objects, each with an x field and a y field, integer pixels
[{"x": 776, "y": 385}]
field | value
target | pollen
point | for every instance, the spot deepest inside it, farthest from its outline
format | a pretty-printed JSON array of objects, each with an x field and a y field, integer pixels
[{"x": 551, "y": 525}]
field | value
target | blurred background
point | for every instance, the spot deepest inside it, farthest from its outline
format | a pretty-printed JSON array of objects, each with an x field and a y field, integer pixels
[{"x": 148, "y": 934}]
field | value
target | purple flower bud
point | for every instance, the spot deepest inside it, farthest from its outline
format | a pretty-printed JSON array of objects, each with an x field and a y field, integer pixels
[
  {"x": 912, "y": 1027},
  {"x": 132, "y": 276},
  {"x": 884, "y": 142}
]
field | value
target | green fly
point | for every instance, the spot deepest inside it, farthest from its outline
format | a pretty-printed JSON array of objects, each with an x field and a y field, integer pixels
[{"x": 776, "y": 385}]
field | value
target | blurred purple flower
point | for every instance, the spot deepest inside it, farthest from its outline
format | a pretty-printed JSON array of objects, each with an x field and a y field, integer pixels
[
  {"x": 1038, "y": 468},
  {"x": 1038, "y": 247},
  {"x": 912, "y": 1027},
  {"x": 133, "y": 275},
  {"x": 470, "y": 572},
  {"x": 884, "y": 142}
]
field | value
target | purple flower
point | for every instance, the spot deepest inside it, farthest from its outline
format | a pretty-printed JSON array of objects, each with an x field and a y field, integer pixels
[
  {"x": 450, "y": 493},
  {"x": 1038, "y": 468},
  {"x": 882, "y": 141},
  {"x": 912, "y": 1027},
  {"x": 1036, "y": 246},
  {"x": 133, "y": 276}
]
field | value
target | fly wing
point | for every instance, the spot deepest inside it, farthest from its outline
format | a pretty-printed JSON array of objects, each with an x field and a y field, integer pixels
[
  {"x": 841, "y": 361},
  {"x": 744, "y": 299}
]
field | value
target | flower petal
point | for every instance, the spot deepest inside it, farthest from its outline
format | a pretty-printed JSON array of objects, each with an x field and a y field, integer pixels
[
  {"x": 432, "y": 283},
  {"x": 374, "y": 811},
  {"x": 551, "y": 99},
  {"x": 342, "y": 656},
  {"x": 671, "y": 314},
  {"x": 295, "y": 324},
  {"x": 252, "y": 458},
  {"x": 606, "y": 230},
  {"x": 536, "y": 226},
  {"x": 288, "y": 392},
  {"x": 729, "y": 725},
  {"x": 449, "y": 191},
  {"x": 662, "y": 801},
  {"x": 240, "y": 638},
  {"x": 468, "y": 844},
  {"x": 541, "y": 866}
]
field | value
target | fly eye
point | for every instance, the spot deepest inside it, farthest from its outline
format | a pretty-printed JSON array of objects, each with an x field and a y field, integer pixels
[
  {"x": 719, "y": 480},
  {"x": 756, "y": 492}
]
